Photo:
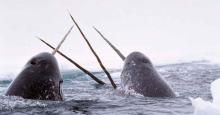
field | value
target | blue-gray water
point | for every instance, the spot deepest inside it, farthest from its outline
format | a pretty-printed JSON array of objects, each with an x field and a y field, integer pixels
[{"x": 84, "y": 96}]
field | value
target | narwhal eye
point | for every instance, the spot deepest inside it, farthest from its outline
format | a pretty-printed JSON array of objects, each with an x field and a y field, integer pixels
[
  {"x": 145, "y": 61},
  {"x": 33, "y": 62},
  {"x": 61, "y": 81}
]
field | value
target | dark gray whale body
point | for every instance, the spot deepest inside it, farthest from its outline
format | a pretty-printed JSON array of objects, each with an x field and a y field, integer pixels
[
  {"x": 40, "y": 79},
  {"x": 140, "y": 75}
]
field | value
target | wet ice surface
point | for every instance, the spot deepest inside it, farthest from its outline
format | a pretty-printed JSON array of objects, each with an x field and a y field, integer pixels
[
  {"x": 84, "y": 96},
  {"x": 203, "y": 107}
]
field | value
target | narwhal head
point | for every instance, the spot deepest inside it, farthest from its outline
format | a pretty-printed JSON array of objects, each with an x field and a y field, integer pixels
[{"x": 39, "y": 79}]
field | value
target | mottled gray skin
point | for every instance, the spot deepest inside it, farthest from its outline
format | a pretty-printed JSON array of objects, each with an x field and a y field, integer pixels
[
  {"x": 140, "y": 75},
  {"x": 40, "y": 79}
]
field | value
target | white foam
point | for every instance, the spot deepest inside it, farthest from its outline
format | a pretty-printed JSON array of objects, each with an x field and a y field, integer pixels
[
  {"x": 202, "y": 107},
  {"x": 11, "y": 102}
]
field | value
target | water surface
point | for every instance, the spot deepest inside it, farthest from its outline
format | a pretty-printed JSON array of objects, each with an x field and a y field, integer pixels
[{"x": 84, "y": 96}]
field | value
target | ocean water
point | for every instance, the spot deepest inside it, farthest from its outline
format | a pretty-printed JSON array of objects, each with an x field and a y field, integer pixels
[{"x": 84, "y": 96}]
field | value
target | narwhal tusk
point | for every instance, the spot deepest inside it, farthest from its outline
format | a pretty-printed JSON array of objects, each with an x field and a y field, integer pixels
[
  {"x": 73, "y": 62},
  {"x": 111, "y": 45},
  {"x": 64, "y": 38},
  {"x": 98, "y": 59}
]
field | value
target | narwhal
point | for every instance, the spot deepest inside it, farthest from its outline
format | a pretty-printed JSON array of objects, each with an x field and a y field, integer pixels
[
  {"x": 40, "y": 78},
  {"x": 140, "y": 75}
]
